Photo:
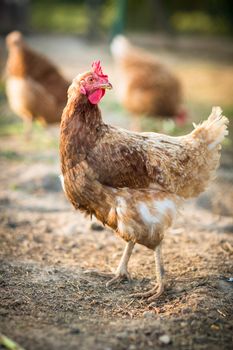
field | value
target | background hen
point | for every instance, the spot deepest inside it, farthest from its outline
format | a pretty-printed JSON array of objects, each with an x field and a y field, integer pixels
[
  {"x": 145, "y": 86},
  {"x": 132, "y": 182},
  {"x": 34, "y": 86}
]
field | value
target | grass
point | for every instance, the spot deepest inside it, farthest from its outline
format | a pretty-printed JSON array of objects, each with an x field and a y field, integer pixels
[
  {"x": 197, "y": 22},
  {"x": 41, "y": 138},
  {"x": 11, "y": 127},
  {"x": 10, "y": 155},
  {"x": 9, "y": 343},
  {"x": 74, "y": 17},
  {"x": 50, "y": 17},
  {"x": 67, "y": 17}
]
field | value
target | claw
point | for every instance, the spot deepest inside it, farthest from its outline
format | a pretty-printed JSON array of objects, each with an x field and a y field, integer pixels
[
  {"x": 158, "y": 289},
  {"x": 152, "y": 294},
  {"x": 155, "y": 296},
  {"x": 119, "y": 277}
]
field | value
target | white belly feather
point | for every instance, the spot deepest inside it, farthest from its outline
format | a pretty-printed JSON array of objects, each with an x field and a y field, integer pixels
[{"x": 15, "y": 90}]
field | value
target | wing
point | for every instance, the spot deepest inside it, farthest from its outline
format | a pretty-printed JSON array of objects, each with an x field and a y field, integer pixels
[
  {"x": 119, "y": 161},
  {"x": 127, "y": 159}
]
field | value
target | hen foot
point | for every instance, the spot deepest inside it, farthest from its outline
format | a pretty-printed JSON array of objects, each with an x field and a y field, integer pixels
[
  {"x": 122, "y": 270},
  {"x": 120, "y": 275},
  {"x": 152, "y": 294},
  {"x": 158, "y": 289}
]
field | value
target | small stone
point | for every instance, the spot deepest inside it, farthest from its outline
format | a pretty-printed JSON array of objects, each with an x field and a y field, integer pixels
[
  {"x": 215, "y": 327},
  {"x": 75, "y": 331},
  {"x": 38, "y": 239},
  {"x": 193, "y": 268},
  {"x": 132, "y": 347},
  {"x": 12, "y": 224},
  {"x": 230, "y": 279},
  {"x": 96, "y": 227},
  {"x": 225, "y": 286},
  {"x": 71, "y": 230},
  {"x": 187, "y": 310},
  {"x": 122, "y": 335},
  {"x": 180, "y": 289},
  {"x": 148, "y": 314},
  {"x": 3, "y": 312},
  {"x": 48, "y": 229},
  {"x": 165, "y": 339},
  {"x": 99, "y": 246},
  {"x": 227, "y": 229}
]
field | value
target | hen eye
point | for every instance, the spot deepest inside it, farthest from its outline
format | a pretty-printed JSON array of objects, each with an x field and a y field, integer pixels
[{"x": 90, "y": 79}]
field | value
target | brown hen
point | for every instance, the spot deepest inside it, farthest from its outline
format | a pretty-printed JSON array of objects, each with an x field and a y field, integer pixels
[
  {"x": 132, "y": 182},
  {"x": 34, "y": 86},
  {"x": 145, "y": 86}
]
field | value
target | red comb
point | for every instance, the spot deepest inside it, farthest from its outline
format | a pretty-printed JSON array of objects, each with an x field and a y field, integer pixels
[{"x": 96, "y": 67}]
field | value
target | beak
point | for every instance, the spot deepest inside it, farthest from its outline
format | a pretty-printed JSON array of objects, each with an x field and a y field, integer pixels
[{"x": 106, "y": 86}]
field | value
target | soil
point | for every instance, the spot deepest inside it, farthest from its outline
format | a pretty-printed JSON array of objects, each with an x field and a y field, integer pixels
[{"x": 52, "y": 293}]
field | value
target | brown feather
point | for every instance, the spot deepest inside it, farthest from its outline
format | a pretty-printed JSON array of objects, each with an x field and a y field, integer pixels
[
  {"x": 145, "y": 86},
  {"x": 32, "y": 80},
  {"x": 133, "y": 182}
]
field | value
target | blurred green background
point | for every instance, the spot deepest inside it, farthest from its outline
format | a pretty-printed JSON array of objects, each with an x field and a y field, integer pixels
[{"x": 209, "y": 17}]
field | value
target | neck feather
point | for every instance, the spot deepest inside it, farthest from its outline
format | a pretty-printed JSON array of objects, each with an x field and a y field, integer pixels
[
  {"x": 80, "y": 130},
  {"x": 79, "y": 108}
]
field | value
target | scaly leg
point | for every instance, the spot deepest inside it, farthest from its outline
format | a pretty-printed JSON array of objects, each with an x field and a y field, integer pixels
[
  {"x": 122, "y": 270},
  {"x": 158, "y": 289},
  {"x": 28, "y": 128}
]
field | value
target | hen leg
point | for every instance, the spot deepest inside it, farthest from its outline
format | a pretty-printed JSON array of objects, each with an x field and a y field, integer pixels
[
  {"x": 28, "y": 127},
  {"x": 122, "y": 270},
  {"x": 158, "y": 289}
]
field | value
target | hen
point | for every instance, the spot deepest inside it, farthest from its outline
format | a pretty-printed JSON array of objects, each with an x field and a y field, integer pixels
[
  {"x": 145, "y": 85},
  {"x": 35, "y": 88},
  {"x": 132, "y": 182}
]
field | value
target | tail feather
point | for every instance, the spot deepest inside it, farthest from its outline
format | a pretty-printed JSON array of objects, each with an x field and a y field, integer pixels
[
  {"x": 213, "y": 130},
  {"x": 206, "y": 141}
]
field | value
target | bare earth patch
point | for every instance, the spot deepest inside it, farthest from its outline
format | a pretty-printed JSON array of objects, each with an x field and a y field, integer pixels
[{"x": 51, "y": 299}]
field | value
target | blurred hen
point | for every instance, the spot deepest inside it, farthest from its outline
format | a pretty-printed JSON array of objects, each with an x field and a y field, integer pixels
[
  {"x": 144, "y": 85},
  {"x": 35, "y": 88}
]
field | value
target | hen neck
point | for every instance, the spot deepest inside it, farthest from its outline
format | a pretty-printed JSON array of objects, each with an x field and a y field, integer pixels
[{"x": 85, "y": 113}]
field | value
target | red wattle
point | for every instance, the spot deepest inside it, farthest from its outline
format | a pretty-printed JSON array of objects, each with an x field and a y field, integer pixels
[{"x": 96, "y": 96}]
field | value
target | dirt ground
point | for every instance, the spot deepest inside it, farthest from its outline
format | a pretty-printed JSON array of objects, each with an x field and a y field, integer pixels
[{"x": 50, "y": 295}]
